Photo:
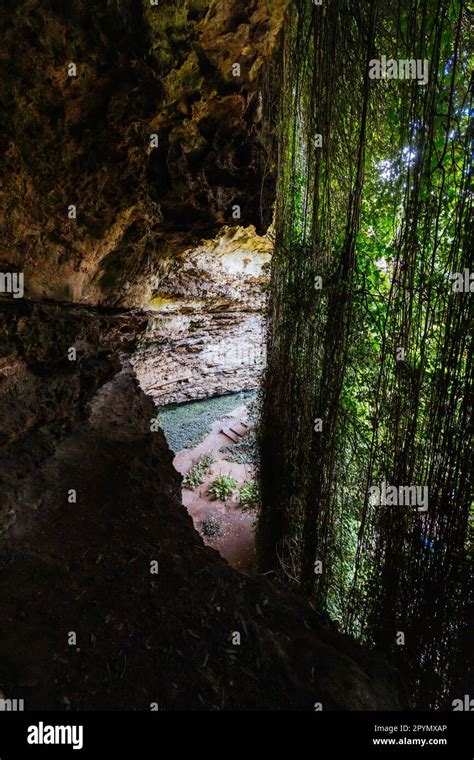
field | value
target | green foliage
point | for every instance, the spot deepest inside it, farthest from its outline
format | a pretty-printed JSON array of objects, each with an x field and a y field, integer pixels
[
  {"x": 381, "y": 214},
  {"x": 222, "y": 488},
  {"x": 197, "y": 473},
  {"x": 186, "y": 425},
  {"x": 211, "y": 527},
  {"x": 249, "y": 495}
]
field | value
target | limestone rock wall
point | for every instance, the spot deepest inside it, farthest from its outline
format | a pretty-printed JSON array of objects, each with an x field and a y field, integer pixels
[
  {"x": 85, "y": 140},
  {"x": 205, "y": 334}
]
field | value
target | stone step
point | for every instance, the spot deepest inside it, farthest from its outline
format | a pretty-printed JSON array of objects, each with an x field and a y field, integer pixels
[
  {"x": 238, "y": 429},
  {"x": 230, "y": 434}
]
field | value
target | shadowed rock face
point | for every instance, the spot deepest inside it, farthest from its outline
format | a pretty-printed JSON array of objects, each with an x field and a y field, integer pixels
[
  {"x": 84, "y": 140},
  {"x": 42, "y": 391},
  {"x": 84, "y": 567}
]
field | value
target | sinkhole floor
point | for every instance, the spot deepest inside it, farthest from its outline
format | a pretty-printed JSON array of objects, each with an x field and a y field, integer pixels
[{"x": 195, "y": 429}]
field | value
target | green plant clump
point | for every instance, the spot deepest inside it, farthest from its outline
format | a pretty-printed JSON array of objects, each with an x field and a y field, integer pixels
[
  {"x": 249, "y": 495},
  {"x": 222, "y": 488},
  {"x": 197, "y": 473},
  {"x": 211, "y": 527}
]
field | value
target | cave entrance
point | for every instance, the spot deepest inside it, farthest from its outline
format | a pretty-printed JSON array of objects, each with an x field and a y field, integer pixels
[{"x": 201, "y": 360}]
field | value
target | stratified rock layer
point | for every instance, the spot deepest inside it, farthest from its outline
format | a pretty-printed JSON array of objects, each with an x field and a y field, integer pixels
[{"x": 205, "y": 335}]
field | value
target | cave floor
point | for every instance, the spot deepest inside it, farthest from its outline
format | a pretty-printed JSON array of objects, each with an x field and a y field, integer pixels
[{"x": 236, "y": 541}]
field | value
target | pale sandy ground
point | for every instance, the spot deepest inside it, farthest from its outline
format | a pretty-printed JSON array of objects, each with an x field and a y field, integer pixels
[{"x": 236, "y": 543}]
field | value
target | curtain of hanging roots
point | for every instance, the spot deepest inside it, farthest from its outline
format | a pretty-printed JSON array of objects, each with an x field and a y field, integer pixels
[
  {"x": 322, "y": 137},
  {"x": 341, "y": 414}
]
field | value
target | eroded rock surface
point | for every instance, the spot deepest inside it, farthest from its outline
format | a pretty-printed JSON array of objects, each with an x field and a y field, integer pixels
[
  {"x": 85, "y": 140},
  {"x": 205, "y": 335},
  {"x": 43, "y": 391}
]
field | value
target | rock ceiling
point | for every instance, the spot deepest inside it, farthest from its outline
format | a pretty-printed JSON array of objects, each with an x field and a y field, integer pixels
[{"x": 93, "y": 206}]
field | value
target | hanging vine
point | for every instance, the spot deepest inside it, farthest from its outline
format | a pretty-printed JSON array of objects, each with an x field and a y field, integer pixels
[{"x": 369, "y": 379}]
